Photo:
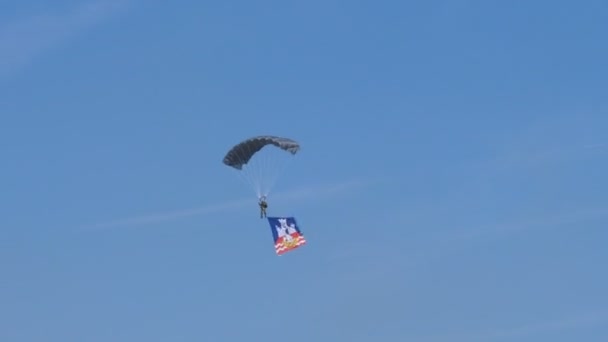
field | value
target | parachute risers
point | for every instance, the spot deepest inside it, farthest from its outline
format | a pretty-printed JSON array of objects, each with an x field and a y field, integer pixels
[
  {"x": 286, "y": 233},
  {"x": 257, "y": 164}
]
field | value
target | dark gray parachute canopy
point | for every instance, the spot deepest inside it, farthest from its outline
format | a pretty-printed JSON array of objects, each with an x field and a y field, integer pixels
[{"x": 241, "y": 153}]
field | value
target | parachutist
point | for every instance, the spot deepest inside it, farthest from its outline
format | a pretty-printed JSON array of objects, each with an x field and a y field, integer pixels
[{"x": 263, "y": 205}]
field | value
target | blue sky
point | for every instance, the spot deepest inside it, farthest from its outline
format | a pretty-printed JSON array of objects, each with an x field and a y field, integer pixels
[{"x": 451, "y": 183}]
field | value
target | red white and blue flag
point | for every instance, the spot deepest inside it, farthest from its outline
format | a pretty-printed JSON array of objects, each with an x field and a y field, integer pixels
[{"x": 286, "y": 233}]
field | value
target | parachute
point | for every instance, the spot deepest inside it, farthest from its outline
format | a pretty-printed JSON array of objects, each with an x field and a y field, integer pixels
[{"x": 260, "y": 160}]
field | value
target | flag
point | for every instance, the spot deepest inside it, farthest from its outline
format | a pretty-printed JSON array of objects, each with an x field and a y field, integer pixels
[{"x": 286, "y": 233}]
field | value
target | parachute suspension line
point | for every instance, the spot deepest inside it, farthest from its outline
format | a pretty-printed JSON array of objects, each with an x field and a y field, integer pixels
[
  {"x": 262, "y": 167},
  {"x": 253, "y": 170},
  {"x": 266, "y": 168},
  {"x": 243, "y": 178},
  {"x": 278, "y": 166},
  {"x": 244, "y": 174}
]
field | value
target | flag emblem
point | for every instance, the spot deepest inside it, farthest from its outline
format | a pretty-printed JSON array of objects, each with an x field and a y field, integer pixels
[{"x": 286, "y": 233}]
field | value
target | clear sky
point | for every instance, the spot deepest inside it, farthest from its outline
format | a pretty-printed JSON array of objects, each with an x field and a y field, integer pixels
[{"x": 451, "y": 184}]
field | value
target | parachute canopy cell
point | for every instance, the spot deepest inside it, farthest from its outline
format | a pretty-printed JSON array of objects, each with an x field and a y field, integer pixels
[{"x": 241, "y": 153}]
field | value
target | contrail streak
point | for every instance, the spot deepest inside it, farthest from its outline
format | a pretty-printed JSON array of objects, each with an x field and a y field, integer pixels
[{"x": 293, "y": 195}]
